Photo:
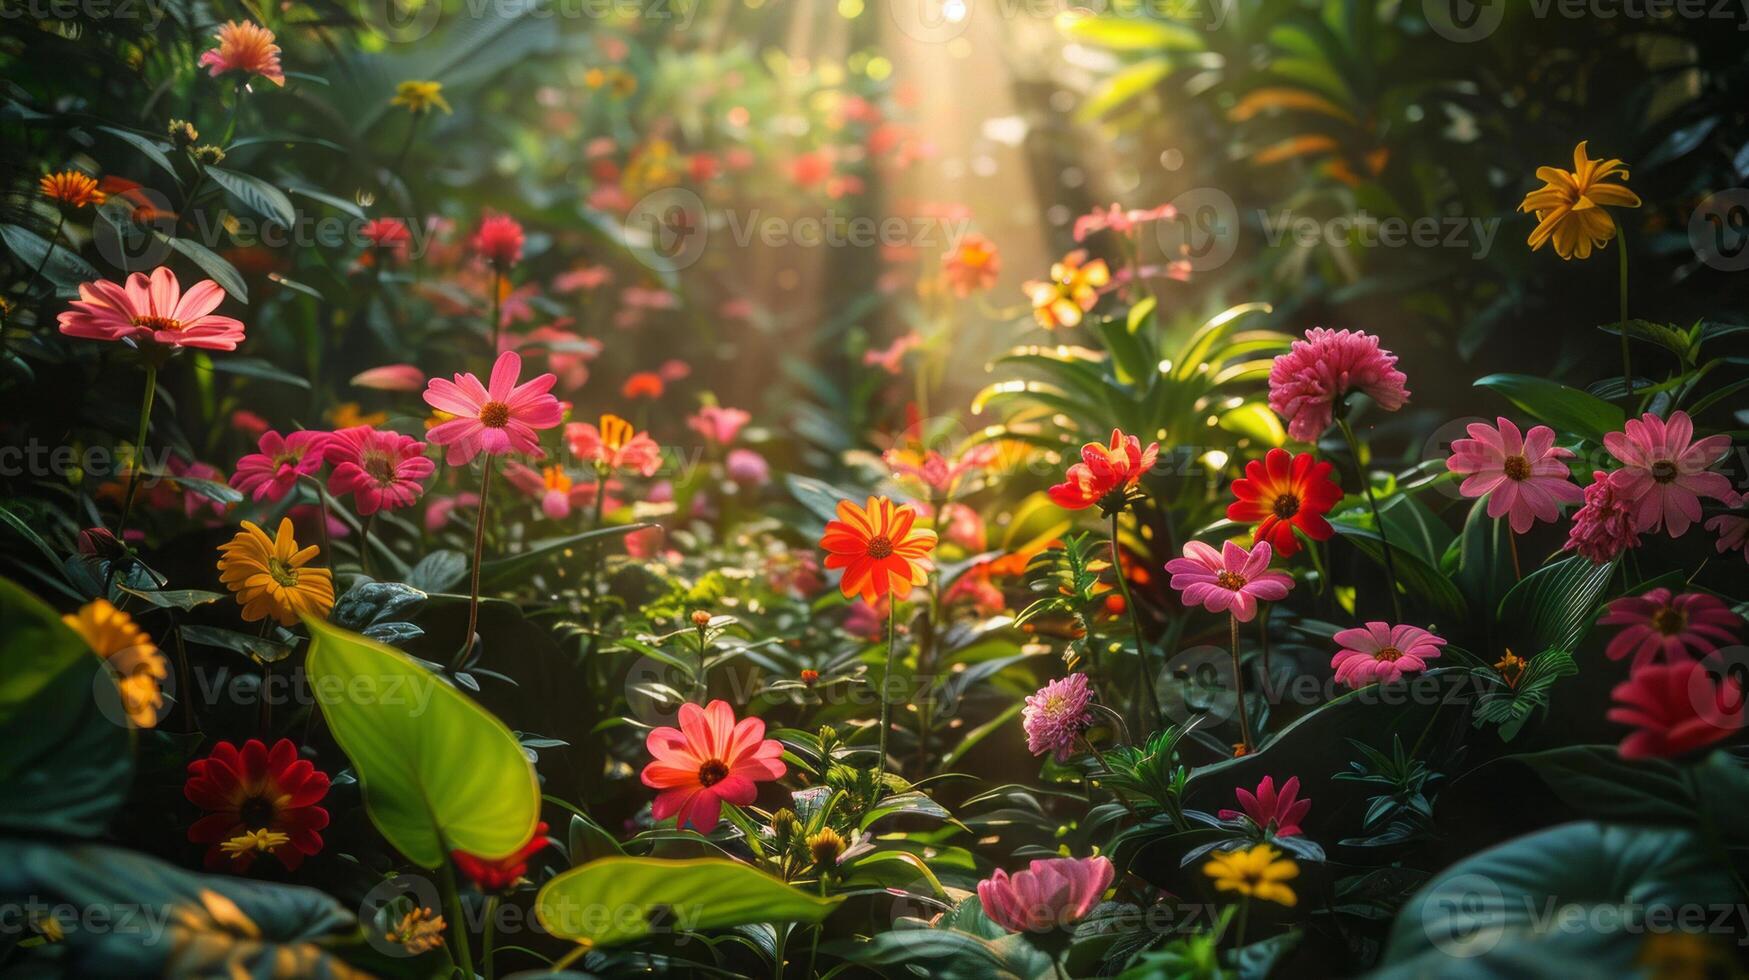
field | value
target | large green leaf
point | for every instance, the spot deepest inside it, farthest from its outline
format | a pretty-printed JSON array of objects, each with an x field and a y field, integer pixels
[
  {"x": 612, "y": 900},
  {"x": 65, "y": 269},
  {"x": 68, "y": 755},
  {"x": 1580, "y": 893},
  {"x": 256, "y": 194},
  {"x": 439, "y": 772},
  {"x": 1567, "y": 409},
  {"x": 1552, "y": 607}
]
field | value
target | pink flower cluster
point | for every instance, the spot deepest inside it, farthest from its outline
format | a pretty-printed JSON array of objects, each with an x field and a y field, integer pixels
[
  {"x": 1306, "y": 383},
  {"x": 1050, "y": 894}
]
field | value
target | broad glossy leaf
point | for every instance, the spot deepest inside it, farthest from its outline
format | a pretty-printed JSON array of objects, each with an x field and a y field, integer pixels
[
  {"x": 614, "y": 899},
  {"x": 1567, "y": 409},
  {"x": 439, "y": 772},
  {"x": 256, "y": 194},
  {"x": 1553, "y": 607}
]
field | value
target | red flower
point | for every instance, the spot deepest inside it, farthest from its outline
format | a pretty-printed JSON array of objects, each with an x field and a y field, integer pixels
[
  {"x": 1106, "y": 474},
  {"x": 643, "y": 384},
  {"x": 498, "y": 240},
  {"x": 1268, "y": 808},
  {"x": 1677, "y": 707},
  {"x": 256, "y": 789},
  {"x": 707, "y": 760},
  {"x": 492, "y": 876},
  {"x": 1282, "y": 492}
]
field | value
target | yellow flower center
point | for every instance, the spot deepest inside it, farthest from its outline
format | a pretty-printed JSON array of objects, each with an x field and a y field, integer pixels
[
  {"x": 1230, "y": 580},
  {"x": 158, "y": 322},
  {"x": 1388, "y": 654},
  {"x": 283, "y": 573}
]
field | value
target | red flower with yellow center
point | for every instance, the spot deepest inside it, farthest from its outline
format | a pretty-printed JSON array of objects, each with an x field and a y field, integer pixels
[
  {"x": 506, "y": 871},
  {"x": 253, "y": 789},
  {"x": 709, "y": 760},
  {"x": 880, "y": 548},
  {"x": 1107, "y": 475},
  {"x": 1282, "y": 492}
]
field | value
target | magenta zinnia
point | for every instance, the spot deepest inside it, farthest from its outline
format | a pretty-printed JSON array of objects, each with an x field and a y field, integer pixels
[
  {"x": 1382, "y": 652},
  {"x": 1049, "y": 894},
  {"x": 1665, "y": 471},
  {"x": 1056, "y": 715},
  {"x": 1229, "y": 580},
  {"x": 382, "y": 470},
  {"x": 1276, "y": 812},
  {"x": 1604, "y": 527},
  {"x": 152, "y": 311},
  {"x": 271, "y": 473},
  {"x": 1306, "y": 383},
  {"x": 497, "y": 419},
  {"x": 1521, "y": 474},
  {"x": 1658, "y": 624}
]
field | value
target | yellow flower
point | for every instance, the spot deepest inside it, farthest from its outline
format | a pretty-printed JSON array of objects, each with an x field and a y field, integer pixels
[
  {"x": 262, "y": 840},
  {"x": 418, "y": 931},
  {"x": 1258, "y": 872},
  {"x": 420, "y": 96},
  {"x": 1073, "y": 289},
  {"x": 270, "y": 575},
  {"x": 1511, "y": 668},
  {"x": 347, "y": 414},
  {"x": 129, "y": 652},
  {"x": 72, "y": 188},
  {"x": 826, "y": 847},
  {"x": 1569, "y": 206}
]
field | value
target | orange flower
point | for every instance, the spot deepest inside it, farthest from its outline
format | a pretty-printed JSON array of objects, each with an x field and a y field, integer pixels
[
  {"x": 972, "y": 267},
  {"x": 644, "y": 384},
  {"x": 72, "y": 188},
  {"x": 615, "y": 445},
  {"x": 246, "y": 47},
  {"x": 880, "y": 548},
  {"x": 1107, "y": 474},
  {"x": 1072, "y": 290}
]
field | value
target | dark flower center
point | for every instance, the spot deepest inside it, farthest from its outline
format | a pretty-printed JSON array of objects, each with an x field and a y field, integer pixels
[
  {"x": 712, "y": 772},
  {"x": 256, "y": 813},
  {"x": 880, "y": 546},
  {"x": 495, "y": 414},
  {"x": 1286, "y": 506},
  {"x": 1664, "y": 471},
  {"x": 1388, "y": 654},
  {"x": 1670, "y": 621},
  {"x": 1517, "y": 467},
  {"x": 158, "y": 322},
  {"x": 1230, "y": 580},
  {"x": 380, "y": 468}
]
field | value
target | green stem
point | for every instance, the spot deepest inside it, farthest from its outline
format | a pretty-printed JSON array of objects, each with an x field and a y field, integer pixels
[
  {"x": 364, "y": 544},
  {"x": 458, "y": 924},
  {"x": 488, "y": 935},
  {"x": 60, "y": 220},
  {"x": 1142, "y": 677},
  {"x": 886, "y": 683},
  {"x": 1239, "y": 928},
  {"x": 322, "y": 519},
  {"x": 127, "y": 507},
  {"x": 1377, "y": 519},
  {"x": 781, "y": 931},
  {"x": 1627, "y": 368},
  {"x": 479, "y": 553},
  {"x": 497, "y": 290},
  {"x": 1239, "y": 687}
]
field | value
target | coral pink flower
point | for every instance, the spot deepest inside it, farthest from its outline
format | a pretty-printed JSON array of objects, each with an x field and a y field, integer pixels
[
  {"x": 381, "y": 469},
  {"x": 1678, "y": 707},
  {"x": 1278, "y": 813},
  {"x": 390, "y": 377},
  {"x": 1521, "y": 474},
  {"x": 1659, "y": 624},
  {"x": 154, "y": 311},
  {"x": 389, "y": 234},
  {"x": 1107, "y": 474},
  {"x": 1306, "y": 383},
  {"x": 614, "y": 445},
  {"x": 271, "y": 473},
  {"x": 1382, "y": 653},
  {"x": 439, "y": 509},
  {"x": 1116, "y": 219},
  {"x": 498, "y": 419},
  {"x": 498, "y": 240},
  {"x": 1665, "y": 471},
  {"x": 249, "y": 423},
  {"x": 1051, "y": 893},
  {"x": 246, "y": 47},
  {"x": 709, "y": 760},
  {"x": 717, "y": 424},
  {"x": 1231, "y": 579},
  {"x": 891, "y": 360},
  {"x": 557, "y": 493},
  {"x": 493, "y": 876},
  {"x": 1056, "y": 715},
  {"x": 1604, "y": 527},
  {"x": 1733, "y": 534}
]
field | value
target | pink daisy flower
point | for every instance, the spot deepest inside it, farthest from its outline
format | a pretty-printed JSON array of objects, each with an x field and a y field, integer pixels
[
  {"x": 718, "y": 425},
  {"x": 709, "y": 760},
  {"x": 1382, "y": 653},
  {"x": 152, "y": 311},
  {"x": 497, "y": 419},
  {"x": 247, "y": 47},
  {"x": 1733, "y": 534},
  {"x": 381, "y": 469},
  {"x": 1306, "y": 383},
  {"x": 1231, "y": 579},
  {"x": 1521, "y": 474},
  {"x": 271, "y": 473},
  {"x": 1604, "y": 527},
  {"x": 1277, "y": 812},
  {"x": 390, "y": 377},
  {"x": 1665, "y": 471},
  {"x": 1050, "y": 894},
  {"x": 1056, "y": 715},
  {"x": 1659, "y": 624}
]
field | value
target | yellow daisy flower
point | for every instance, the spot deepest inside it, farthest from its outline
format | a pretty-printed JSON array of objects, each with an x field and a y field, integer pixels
[
  {"x": 420, "y": 96},
  {"x": 270, "y": 575},
  {"x": 1569, "y": 206},
  {"x": 1258, "y": 872},
  {"x": 139, "y": 667}
]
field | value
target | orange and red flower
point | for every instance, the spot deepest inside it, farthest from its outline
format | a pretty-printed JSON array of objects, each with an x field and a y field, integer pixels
[
  {"x": 492, "y": 876},
  {"x": 72, "y": 188},
  {"x": 615, "y": 445},
  {"x": 1281, "y": 492},
  {"x": 1107, "y": 475},
  {"x": 880, "y": 548},
  {"x": 1072, "y": 290},
  {"x": 246, "y": 47},
  {"x": 254, "y": 789},
  {"x": 972, "y": 267},
  {"x": 709, "y": 760}
]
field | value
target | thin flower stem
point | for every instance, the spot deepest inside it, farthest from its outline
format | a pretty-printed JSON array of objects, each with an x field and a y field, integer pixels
[
  {"x": 1239, "y": 687},
  {"x": 1512, "y": 545},
  {"x": 1377, "y": 519},
  {"x": 1094, "y": 749},
  {"x": 488, "y": 934},
  {"x": 886, "y": 685},
  {"x": 322, "y": 521},
  {"x": 479, "y": 553},
  {"x": 1239, "y": 928},
  {"x": 458, "y": 925},
  {"x": 1627, "y": 367},
  {"x": 1129, "y": 603},
  {"x": 781, "y": 931},
  {"x": 497, "y": 296},
  {"x": 55, "y": 236},
  {"x": 364, "y": 543},
  {"x": 266, "y": 701},
  {"x": 127, "y": 507}
]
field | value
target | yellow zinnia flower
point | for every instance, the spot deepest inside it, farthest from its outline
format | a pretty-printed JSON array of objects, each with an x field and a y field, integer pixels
[
  {"x": 129, "y": 652},
  {"x": 1259, "y": 871},
  {"x": 72, "y": 188},
  {"x": 420, "y": 96},
  {"x": 347, "y": 415},
  {"x": 1569, "y": 206},
  {"x": 270, "y": 577}
]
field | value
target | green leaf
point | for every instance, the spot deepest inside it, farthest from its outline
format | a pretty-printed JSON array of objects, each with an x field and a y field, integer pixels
[
  {"x": 340, "y": 204},
  {"x": 1553, "y": 607},
  {"x": 439, "y": 772},
  {"x": 65, "y": 269},
  {"x": 1567, "y": 409},
  {"x": 1134, "y": 34},
  {"x": 147, "y": 147},
  {"x": 184, "y": 599},
  {"x": 947, "y": 954},
  {"x": 687, "y": 896},
  {"x": 1122, "y": 86},
  {"x": 819, "y": 497},
  {"x": 500, "y": 568},
  {"x": 68, "y": 758},
  {"x": 256, "y": 194},
  {"x": 1129, "y": 356},
  {"x": 1596, "y": 780},
  {"x": 439, "y": 571},
  {"x": 261, "y": 649},
  {"x": 1421, "y": 581},
  {"x": 255, "y": 367},
  {"x": 223, "y": 272}
]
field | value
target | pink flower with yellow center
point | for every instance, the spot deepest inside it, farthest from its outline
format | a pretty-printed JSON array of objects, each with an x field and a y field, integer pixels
[
  {"x": 271, "y": 473},
  {"x": 382, "y": 470},
  {"x": 152, "y": 311},
  {"x": 1521, "y": 474},
  {"x": 1658, "y": 624},
  {"x": 614, "y": 446},
  {"x": 709, "y": 760},
  {"x": 1382, "y": 652},
  {"x": 496, "y": 419},
  {"x": 1229, "y": 580},
  {"x": 244, "y": 47},
  {"x": 1664, "y": 471}
]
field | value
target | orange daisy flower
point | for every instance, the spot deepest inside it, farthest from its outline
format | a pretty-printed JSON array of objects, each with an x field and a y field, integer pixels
[
  {"x": 972, "y": 267},
  {"x": 246, "y": 47},
  {"x": 72, "y": 188},
  {"x": 880, "y": 548}
]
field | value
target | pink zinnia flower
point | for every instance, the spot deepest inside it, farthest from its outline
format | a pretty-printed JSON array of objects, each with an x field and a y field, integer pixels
[
  {"x": 1733, "y": 534},
  {"x": 1665, "y": 471},
  {"x": 708, "y": 760},
  {"x": 246, "y": 47},
  {"x": 1277, "y": 812},
  {"x": 381, "y": 469},
  {"x": 1306, "y": 383},
  {"x": 1049, "y": 894},
  {"x": 717, "y": 424},
  {"x": 152, "y": 311},
  {"x": 498, "y": 240},
  {"x": 1231, "y": 579},
  {"x": 557, "y": 493},
  {"x": 1678, "y": 707},
  {"x": 1382, "y": 653},
  {"x": 614, "y": 445},
  {"x": 1604, "y": 527},
  {"x": 249, "y": 423},
  {"x": 439, "y": 509},
  {"x": 390, "y": 377},
  {"x": 1658, "y": 623},
  {"x": 1056, "y": 715},
  {"x": 271, "y": 473},
  {"x": 497, "y": 420},
  {"x": 1521, "y": 474}
]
